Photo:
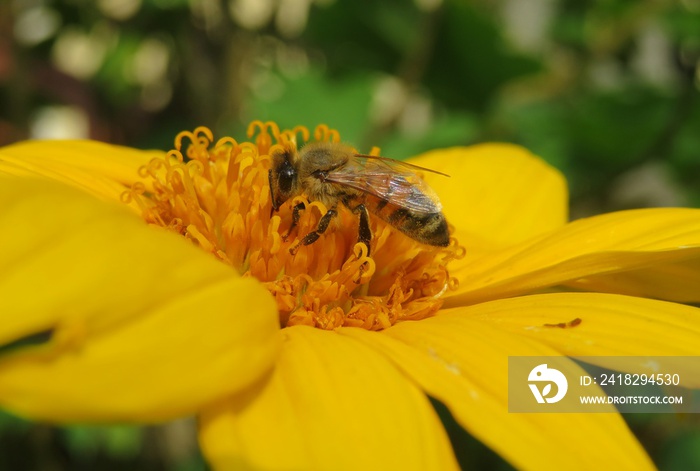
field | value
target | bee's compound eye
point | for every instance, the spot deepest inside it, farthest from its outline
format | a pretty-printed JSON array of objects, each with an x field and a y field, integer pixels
[{"x": 286, "y": 177}]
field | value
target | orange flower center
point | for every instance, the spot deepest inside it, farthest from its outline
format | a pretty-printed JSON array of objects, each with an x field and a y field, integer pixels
[{"x": 218, "y": 197}]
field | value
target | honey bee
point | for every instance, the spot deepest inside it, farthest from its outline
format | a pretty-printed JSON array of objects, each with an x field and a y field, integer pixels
[{"x": 335, "y": 174}]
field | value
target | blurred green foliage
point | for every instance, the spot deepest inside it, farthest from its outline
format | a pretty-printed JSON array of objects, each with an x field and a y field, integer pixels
[{"x": 606, "y": 91}]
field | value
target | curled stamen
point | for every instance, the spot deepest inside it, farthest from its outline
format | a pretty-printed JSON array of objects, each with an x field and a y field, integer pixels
[
  {"x": 263, "y": 127},
  {"x": 453, "y": 283},
  {"x": 250, "y": 132},
  {"x": 174, "y": 154},
  {"x": 249, "y": 148},
  {"x": 194, "y": 167},
  {"x": 205, "y": 133},
  {"x": 304, "y": 132},
  {"x": 227, "y": 141},
  {"x": 137, "y": 189},
  {"x": 264, "y": 140},
  {"x": 179, "y": 177},
  {"x": 324, "y": 133},
  {"x": 182, "y": 135},
  {"x": 365, "y": 274},
  {"x": 360, "y": 251},
  {"x": 461, "y": 251},
  {"x": 151, "y": 169},
  {"x": 199, "y": 139},
  {"x": 126, "y": 196},
  {"x": 456, "y": 252}
]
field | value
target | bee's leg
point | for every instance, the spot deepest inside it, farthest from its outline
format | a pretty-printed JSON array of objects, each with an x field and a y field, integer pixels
[
  {"x": 296, "y": 214},
  {"x": 313, "y": 236},
  {"x": 364, "y": 234}
]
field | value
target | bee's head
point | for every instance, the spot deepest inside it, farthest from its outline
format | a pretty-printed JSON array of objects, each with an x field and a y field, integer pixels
[{"x": 282, "y": 175}]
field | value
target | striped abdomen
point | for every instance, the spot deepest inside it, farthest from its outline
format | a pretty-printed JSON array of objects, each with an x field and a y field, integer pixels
[{"x": 426, "y": 228}]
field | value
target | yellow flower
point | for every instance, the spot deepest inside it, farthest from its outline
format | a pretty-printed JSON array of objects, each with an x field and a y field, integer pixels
[{"x": 146, "y": 325}]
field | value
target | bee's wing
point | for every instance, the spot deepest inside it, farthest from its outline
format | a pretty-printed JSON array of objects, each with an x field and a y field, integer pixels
[
  {"x": 399, "y": 164},
  {"x": 389, "y": 180}
]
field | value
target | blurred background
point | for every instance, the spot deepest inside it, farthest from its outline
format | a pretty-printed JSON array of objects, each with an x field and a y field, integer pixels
[{"x": 607, "y": 91}]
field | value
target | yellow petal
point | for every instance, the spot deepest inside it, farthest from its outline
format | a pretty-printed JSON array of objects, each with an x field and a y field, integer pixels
[
  {"x": 101, "y": 169},
  {"x": 677, "y": 282},
  {"x": 332, "y": 403},
  {"x": 463, "y": 363},
  {"x": 497, "y": 195},
  {"x": 143, "y": 325},
  {"x": 611, "y": 325},
  {"x": 610, "y": 243}
]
